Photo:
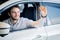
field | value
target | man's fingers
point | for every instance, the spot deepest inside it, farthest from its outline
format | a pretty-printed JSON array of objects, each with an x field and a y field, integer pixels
[{"x": 43, "y": 10}]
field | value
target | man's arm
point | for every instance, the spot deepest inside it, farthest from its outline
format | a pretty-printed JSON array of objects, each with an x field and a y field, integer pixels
[{"x": 42, "y": 9}]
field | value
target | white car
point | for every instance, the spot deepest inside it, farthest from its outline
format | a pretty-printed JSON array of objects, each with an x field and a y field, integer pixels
[{"x": 51, "y": 32}]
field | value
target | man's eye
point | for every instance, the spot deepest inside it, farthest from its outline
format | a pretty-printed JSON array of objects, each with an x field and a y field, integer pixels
[{"x": 12, "y": 12}]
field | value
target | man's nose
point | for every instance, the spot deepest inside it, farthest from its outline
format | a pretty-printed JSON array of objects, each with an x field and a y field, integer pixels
[{"x": 17, "y": 13}]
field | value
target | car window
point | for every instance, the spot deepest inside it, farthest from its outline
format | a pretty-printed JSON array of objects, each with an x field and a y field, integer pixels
[{"x": 26, "y": 10}]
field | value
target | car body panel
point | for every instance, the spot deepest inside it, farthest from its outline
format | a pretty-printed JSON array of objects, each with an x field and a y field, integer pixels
[{"x": 47, "y": 33}]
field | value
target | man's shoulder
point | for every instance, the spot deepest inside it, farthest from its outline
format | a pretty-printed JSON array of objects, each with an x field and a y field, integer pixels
[{"x": 6, "y": 20}]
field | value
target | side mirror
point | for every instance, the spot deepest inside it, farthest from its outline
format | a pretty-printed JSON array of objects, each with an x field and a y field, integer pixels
[{"x": 4, "y": 29}]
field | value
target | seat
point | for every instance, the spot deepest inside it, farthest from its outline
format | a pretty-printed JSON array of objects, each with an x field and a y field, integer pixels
[{"x": 30, "y": 13}]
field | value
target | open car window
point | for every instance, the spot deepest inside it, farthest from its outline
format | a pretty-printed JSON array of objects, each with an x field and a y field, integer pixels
[{"x": 25, "y": 10}]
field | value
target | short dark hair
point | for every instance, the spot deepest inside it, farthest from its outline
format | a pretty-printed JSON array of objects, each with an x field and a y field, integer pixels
[{"x": 13, "y": 7}]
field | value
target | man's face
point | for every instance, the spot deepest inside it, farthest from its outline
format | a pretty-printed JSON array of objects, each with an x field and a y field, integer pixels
[{"x": 15, "y": 13}]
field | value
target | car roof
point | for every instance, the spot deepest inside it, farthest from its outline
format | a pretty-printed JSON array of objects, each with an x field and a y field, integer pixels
[{"x": 12, "y": 1}]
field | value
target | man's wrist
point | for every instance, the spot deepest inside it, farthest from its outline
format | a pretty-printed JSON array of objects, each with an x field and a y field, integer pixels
[{"x": 43, "y": 16}]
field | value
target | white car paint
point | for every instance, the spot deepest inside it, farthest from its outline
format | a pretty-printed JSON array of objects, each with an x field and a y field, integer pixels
[
  {"x": 43, "y": 33},
  {"x": 30, "y": 34},
  {"x": 53, "y": 32}
]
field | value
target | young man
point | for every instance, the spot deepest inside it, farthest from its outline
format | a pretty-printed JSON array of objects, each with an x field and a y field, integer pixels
[{"x": 16, "y": 22}]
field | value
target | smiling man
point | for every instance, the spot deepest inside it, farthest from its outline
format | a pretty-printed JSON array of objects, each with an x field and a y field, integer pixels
[{"x": 16, "y": 22}]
